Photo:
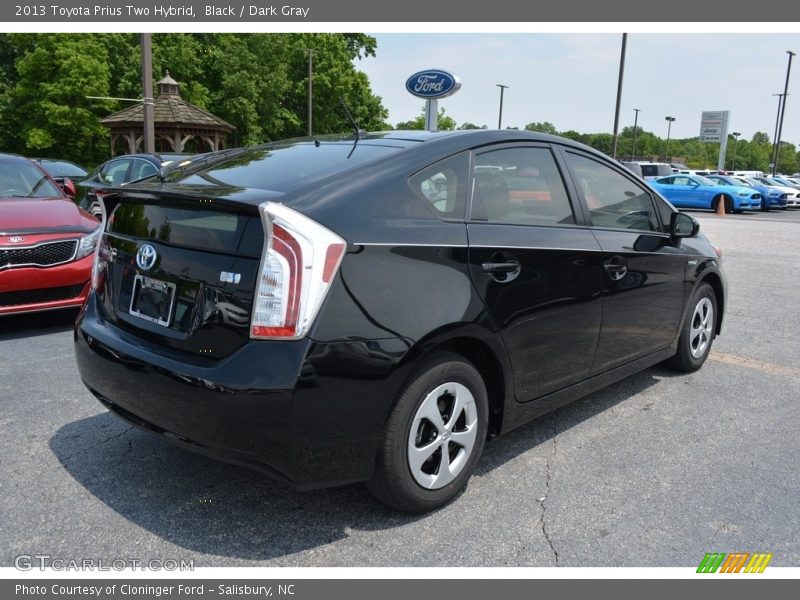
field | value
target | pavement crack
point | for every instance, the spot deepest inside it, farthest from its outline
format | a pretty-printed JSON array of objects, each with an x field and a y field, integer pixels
[
  {"x": 100, "y": 443},
  {"x": 548, "y": 477}
]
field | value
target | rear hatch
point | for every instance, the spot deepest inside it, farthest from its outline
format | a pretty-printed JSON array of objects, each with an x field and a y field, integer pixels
[{"x": 181, "y": 271}]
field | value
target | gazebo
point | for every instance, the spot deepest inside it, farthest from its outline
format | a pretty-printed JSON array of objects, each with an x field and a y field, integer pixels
[{"x": 176, "y": 123}]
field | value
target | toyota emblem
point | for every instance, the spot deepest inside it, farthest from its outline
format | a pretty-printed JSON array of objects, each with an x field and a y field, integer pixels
[{"x": 146, "y": 257}]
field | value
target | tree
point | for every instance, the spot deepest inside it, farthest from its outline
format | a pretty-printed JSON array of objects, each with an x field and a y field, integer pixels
[
  {"x": 49, "y": 108},
  {"x": 469, "y": 125},
  {"x": 445, "y": 122},
  {"x": 257, "y": 82},
  {"x": 759, "y": 137},
  {"x": 543, "y": 127}
]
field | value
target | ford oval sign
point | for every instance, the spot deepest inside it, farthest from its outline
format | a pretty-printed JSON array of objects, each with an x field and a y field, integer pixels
[{"x": 432, "y": 84}]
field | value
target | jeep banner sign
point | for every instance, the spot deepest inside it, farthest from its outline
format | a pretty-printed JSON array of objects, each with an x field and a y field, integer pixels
[{"x": 713, "y": 125}]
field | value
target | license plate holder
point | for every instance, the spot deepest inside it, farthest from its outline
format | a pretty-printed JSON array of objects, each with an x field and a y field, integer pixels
[{"x": 152, "y": 300}]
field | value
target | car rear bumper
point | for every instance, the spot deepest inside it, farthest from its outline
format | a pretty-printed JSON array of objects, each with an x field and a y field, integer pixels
[
  {"x": 33, "y": 289},
  {"x": 276, "y": 407}
]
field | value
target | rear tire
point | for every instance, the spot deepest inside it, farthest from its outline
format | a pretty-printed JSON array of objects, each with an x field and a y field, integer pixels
[
  {"x": 434, "y": 436},
  {"x": 698, "y": 331}
]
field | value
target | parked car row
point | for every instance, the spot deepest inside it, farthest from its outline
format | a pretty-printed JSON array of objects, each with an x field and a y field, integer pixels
[{"x": 736, "y": 191}]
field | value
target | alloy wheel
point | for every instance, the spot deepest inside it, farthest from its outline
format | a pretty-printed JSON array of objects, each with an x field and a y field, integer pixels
[
  {"x": 700, "y": 334},
  {"x": 442, "y": 435}
]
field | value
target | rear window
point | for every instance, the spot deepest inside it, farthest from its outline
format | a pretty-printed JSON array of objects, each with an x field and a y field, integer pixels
[
  {"x": 283, "y": 169},
  {"x": 656, "y": 170},
  {"x": 215, "y": 231}
]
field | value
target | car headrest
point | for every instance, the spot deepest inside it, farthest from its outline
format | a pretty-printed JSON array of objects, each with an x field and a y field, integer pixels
[{"x": 490, "y": 199}]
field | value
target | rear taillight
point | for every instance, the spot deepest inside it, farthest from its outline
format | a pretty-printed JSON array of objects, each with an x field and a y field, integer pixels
[
  {"x": 102, "y": 253},
  {"x": 298, "y": 264}
]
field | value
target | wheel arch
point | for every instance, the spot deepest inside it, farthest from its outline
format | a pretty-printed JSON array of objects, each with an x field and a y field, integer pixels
[
  {"x": 730, "y": 205},
  {"x": 715, "y": 281},
  {"x": 485, "y": 352}
]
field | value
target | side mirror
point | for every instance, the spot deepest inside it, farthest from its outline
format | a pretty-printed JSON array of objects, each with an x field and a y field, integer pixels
[
  {"x": 682, "y": 225},
  {"x": 69, "y": 188}
]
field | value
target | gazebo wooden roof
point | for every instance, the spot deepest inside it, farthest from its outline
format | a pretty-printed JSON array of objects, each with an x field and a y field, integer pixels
[{"x": 176, "y": 122}]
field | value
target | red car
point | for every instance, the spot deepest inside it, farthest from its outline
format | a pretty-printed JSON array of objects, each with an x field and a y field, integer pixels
[{"x": 46, "y": 242}]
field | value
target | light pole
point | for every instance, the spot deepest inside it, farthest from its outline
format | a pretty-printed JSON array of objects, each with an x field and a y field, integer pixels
[
  {"x": 310, "y": 80},
  {"x": 500, "y": 117},
  {"x": 149, "y": 136},
  {"x": 735, "y": 135},
  {"x": 782, "y": 112},
  {"x": 619, "y": 93},
  {"x": 635, "y": 123},
  {"x": 777, "y": 122},
  {"x": 669, "y": 129}
]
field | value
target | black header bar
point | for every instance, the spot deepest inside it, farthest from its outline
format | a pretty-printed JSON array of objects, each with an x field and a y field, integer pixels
[{"x": 411, "y": 11}]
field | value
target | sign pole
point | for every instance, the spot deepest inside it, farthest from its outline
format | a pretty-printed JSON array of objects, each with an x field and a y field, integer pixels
[
  {"x": 432, "y": 115},
  {"x": 723, "y": 142}
]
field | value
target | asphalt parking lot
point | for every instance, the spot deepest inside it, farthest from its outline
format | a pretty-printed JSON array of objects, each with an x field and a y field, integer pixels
[{"x": 656, "y": 470}]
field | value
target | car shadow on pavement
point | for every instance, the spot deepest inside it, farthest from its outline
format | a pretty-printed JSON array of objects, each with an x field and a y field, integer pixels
[
  {"x": 223, "y": 510},
  {"x": 14, "y": 327},
  {"x": 507, "y": 447}
]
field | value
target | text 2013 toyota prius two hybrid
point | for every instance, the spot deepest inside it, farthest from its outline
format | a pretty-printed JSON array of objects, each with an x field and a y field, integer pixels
[{"x": 371, "y": 308}]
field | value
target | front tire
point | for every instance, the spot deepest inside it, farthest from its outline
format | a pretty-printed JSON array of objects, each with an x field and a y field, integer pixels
[
  {"x": 722, "y": 198},
  {"x": 433, "y": 437},
  {"x": 698, "y": 331}
]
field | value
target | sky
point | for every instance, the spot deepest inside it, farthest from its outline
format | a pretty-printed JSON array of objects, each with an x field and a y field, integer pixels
[{"x": 570, "y": 79}]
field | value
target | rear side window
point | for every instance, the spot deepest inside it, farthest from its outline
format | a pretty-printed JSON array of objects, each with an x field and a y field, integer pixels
[
  {"x": 613, "y": 199},
  {"x": 443, "y": 186},
  {"x": 521, "y": 186}
]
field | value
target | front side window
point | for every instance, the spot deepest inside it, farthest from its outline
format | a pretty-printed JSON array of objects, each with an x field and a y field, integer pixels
[
  {"x": 114, "y": 172},
  {"x": 613, "y": 199},
  {"x": 142, "y": 169},
  {"x": 521, "y": 186}
]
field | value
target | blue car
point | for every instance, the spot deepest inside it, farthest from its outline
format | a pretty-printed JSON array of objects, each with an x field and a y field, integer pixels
[
  {"x": 771, "y": 197},
  {"x": 694, "y": 191}
]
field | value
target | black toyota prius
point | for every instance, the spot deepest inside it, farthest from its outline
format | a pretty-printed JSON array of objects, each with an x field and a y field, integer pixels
[{"x": 372, "y": 307}]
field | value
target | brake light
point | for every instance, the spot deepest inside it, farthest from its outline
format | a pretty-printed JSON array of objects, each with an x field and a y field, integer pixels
[
  {"x": 299, "y": 261},
  {"x": 102, "y": 254}
]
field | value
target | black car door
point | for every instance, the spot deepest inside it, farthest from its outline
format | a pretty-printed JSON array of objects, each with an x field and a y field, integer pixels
[
  {"x": 643, "y": 272},
  {"x": 535, "y": 266}
]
